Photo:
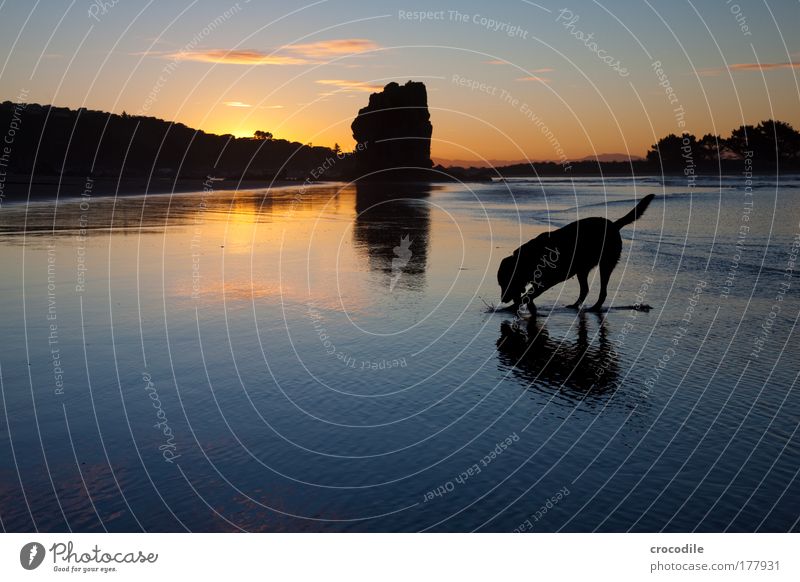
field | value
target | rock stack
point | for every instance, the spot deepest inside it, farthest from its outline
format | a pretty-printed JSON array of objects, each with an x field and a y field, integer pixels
[{"x": 393, "y": 133}]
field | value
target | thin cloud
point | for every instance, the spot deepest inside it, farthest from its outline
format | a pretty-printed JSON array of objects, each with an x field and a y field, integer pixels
[
  {"x": 764, "y": 66},
  {"x": 347, "y": 86},
  {"x": 236, "y": 57},
  {"x": 149, "y": 53},
  {"x": 500, "y": 62},
  {"x": 533, "y": 78},
  {"x": 709, "y": 73},
  {"x": 298, "y": 54},
  {"x": 330, "y": 48},
  {"x": 244, "y": 105}
]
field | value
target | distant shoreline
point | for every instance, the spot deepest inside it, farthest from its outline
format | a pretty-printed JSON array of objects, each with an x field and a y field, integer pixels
[
  {"x": 47, "y": 188},
  {"x": 670, "y": 175}
]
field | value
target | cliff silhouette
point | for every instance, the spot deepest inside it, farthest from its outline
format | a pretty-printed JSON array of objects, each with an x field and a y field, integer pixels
[{"x": 393, "y": 133}]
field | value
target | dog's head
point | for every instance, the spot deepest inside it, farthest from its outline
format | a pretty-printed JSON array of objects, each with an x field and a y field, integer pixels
[
  {"x": 512, "y": 286},
  {"x": 536, "y": 262}
]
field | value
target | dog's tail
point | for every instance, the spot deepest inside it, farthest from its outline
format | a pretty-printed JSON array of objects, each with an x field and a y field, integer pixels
[{"x": 636, "y": 212}]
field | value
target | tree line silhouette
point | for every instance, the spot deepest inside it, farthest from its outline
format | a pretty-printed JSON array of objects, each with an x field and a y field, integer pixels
[
  {"x": 768, "y": 147},
  {"x": 53, "y": 141},
  {"x": 769, "y": 144}
]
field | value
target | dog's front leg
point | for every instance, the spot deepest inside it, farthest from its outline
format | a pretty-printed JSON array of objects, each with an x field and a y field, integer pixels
[
  {"x": 605, "y": 275},
  {"x": 583, "y": 281}
]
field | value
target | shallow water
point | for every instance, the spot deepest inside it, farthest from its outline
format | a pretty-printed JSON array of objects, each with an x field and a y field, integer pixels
[{"x": 324, "y": 360}]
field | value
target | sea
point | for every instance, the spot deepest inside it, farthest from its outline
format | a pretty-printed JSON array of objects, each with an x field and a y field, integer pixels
[{"x": 334, "y": 357}]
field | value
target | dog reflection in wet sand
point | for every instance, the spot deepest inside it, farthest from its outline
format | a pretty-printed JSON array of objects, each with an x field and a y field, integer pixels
[
  {"x": 579, "y": 368},
  {"x": 554, "y": 257}
]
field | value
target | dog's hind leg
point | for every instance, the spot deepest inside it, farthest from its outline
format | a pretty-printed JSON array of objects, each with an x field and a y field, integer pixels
[
  {"x": 612, "y": 248},
  {"x": 606, "y": 268},
  {"x": 583, "y": 281}
]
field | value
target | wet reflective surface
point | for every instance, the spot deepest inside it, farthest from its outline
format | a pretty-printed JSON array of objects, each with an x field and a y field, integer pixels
[{"x": 323, "y": 359}]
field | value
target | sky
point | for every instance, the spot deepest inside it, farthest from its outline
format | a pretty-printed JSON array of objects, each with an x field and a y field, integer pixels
[{"x": 507, "y": 80}]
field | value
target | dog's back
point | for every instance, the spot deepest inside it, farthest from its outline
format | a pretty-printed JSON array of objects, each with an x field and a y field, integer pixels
[{"x": 586, "y": 242}]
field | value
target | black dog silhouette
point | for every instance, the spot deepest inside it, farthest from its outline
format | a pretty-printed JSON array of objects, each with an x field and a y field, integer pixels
[{"x": 553, "y": 257}]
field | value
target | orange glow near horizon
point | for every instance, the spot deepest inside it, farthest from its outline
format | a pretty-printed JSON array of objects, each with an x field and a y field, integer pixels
[
  {"x": 521, "y": 120},
  {"x": 542, "y": 94}
]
